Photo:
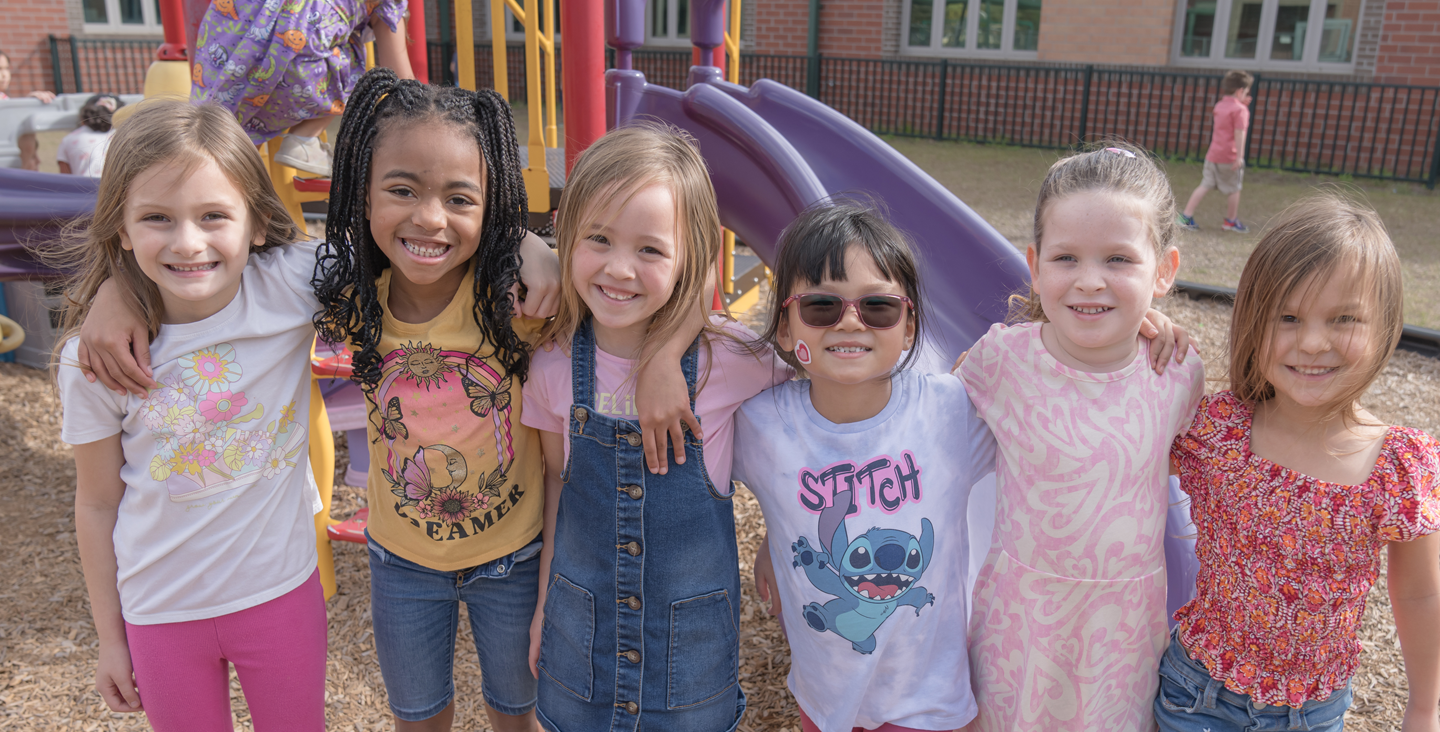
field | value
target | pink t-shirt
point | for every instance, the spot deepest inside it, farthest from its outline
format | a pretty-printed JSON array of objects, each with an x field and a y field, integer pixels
[
  {"x": 734, "y": 376},
  {"x": 1230, "y": 117}
]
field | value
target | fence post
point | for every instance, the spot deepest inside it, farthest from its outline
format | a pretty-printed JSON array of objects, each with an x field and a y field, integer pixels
[
  {"x": 1434, "y": 158},
  {"x": 1249, "y": 135},
  {"x": 940, "y": 107},
  {"x": 75, "y": 64},
  {"x": 1085, "y": 102},
  {"x": 55, "y": 65}
]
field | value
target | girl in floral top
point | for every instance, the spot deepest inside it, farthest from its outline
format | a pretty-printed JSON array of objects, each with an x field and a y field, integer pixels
[{"x": 1295, "y": 488}]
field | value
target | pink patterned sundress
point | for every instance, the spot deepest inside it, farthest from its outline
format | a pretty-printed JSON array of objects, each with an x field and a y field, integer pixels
[{"x": 1069, "y": 622}]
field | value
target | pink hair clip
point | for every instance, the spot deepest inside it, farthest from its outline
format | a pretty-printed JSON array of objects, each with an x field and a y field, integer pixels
[{"x": 1118, "y": 151}]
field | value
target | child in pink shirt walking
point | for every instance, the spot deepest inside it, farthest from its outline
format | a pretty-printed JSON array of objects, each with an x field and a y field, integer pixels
[{"x": 1225, "y": 161}]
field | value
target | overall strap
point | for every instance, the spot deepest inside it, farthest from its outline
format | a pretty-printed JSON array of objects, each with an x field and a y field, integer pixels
[
  {"x": 582, "y": 365},
  {"x": 690, "y": 366}
]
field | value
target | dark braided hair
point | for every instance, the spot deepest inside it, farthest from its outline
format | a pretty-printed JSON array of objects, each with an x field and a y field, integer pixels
[{"x": 349, "y": 261}]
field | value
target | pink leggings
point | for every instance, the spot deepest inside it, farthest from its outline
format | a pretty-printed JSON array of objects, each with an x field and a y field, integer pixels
[{"x": 278, "y": 648}]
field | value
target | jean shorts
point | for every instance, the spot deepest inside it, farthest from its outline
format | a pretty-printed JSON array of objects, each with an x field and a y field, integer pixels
[
  {"x": 416, "y": 614},
  {"x": 1190, "y": 700}
]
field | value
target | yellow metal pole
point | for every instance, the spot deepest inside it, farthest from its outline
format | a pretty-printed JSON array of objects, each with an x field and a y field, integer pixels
[
  {"x": 497, "y": 47},
  {"x": 550, "y": 131},
  {"x": 537, "y": 179},
  {"x": 465, "y": 43},
  {"x": 729, "y": 262},
  {"x": 369, "y": 55},
  {"x": 732, "y": 44}
]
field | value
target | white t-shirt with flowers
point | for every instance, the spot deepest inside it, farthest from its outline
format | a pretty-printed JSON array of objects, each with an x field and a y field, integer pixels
[{"x": 219, "y": 503}]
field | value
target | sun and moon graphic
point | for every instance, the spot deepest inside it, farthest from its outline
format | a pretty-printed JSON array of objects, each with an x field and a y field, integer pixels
[{"x": 432, "y": 478}]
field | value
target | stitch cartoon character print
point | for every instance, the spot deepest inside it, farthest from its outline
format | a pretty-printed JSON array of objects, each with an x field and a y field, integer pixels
[
  {"x": 874, "y": 574},
  {"x": 441, "y": 416}
]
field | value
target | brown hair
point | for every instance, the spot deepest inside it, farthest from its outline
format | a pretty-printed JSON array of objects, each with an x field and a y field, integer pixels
[
  {"x": 161, "y": 132},
  {"x": 1315, "y": 238},
  {"x": 1235, "y": 80},
  {"x": 1116, "y": 167},
  {"x": 617, "y": 166}
]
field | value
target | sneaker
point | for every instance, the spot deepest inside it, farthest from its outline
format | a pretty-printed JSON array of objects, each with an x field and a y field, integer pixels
[
  {"x": 1188, "y": 223},
  {"x": 1235, "y": 226},
  {"x": 305, "y": 153}
]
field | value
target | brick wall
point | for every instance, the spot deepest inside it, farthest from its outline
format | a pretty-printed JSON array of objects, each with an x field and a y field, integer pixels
[
  {"x": 1409, "y": 50},
  {"x": 24, "y": 36},
  {"x": 1367, "y": 40},
  {"x": 1112, "y": 32},
  {"x": 848, "y": 28}
]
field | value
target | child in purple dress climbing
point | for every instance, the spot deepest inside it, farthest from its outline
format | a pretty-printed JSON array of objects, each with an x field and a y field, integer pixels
[{"x": 290, "y": 65}]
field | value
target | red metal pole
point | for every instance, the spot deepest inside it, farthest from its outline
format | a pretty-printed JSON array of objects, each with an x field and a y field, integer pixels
[
  {"x": 418, "y": 52},
  {"x": 582, "y": 75},
  {"x": 173, "y": 18}
]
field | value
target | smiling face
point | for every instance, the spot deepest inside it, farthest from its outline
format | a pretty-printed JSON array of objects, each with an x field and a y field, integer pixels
[
  {"x": 1096, "y": 275},
  {"x": 849, "y": 352},
  {"x": 426, "y": 206},
  {"x": 626, "y": 265},
  {"x": 191, "y": 234},
  {"x": 1320, "y": 341}
]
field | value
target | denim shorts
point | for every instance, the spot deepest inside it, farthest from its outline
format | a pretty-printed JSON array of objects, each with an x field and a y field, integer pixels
[
  {"x": 416, "y": 614},
  {"x": 1190, "y": 700}
]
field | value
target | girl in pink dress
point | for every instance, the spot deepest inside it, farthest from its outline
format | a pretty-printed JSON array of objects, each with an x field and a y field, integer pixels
[
  {"x": 1069, "y": 621},
  {"x": 1295, "y": 489}
]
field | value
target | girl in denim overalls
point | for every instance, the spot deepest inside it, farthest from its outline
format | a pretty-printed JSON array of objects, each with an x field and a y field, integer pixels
[{"x": 638, "y": 624}]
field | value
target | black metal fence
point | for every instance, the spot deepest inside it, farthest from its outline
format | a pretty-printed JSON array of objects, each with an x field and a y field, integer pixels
[
  {"x": 1386, "y": 131},
  {"x": 116, "y": 66}
]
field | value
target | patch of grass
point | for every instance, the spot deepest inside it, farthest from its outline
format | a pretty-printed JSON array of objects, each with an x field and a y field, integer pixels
[{"x": 1001, "y": 184}]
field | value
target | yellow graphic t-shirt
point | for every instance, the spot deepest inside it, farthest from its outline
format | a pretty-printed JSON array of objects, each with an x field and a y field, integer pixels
[{"x": 455, "y": 479}]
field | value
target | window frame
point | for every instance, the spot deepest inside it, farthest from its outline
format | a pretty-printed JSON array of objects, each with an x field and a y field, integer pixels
[
  {"x": 1264, "y": 42},
  {"x": 1006, "y": 51},
  {"x": 670, "y": 39},
  {"x": 113, "y": 27}
]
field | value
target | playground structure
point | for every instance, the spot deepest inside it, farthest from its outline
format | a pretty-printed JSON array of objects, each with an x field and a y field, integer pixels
[{"x": 771, "y": 151}]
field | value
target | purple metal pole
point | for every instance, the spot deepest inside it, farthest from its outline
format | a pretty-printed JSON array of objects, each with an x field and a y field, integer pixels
[
  {"x": 707, "y": 27},
  {"x": 624, "y": 29}
]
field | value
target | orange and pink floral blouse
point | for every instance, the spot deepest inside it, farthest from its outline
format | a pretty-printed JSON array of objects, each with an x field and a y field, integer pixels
[{"x": 1286, "y": 560}]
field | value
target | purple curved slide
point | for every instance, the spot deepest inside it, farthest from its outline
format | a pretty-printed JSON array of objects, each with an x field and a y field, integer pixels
[
  {"x": 34, "y": 208},
  {"x": 772, "y": 151}
]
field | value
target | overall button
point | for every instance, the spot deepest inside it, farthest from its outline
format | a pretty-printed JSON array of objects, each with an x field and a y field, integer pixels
[
  {"x": 581, "y": 414},
  {"x": 633, "y": 547},
  {"x": 634, "y": 491},
  {"x": 631, "y": 602},
  {"x": 632, "y": 437},
  {"x": 630, "y": 707},
  {"x": 632, "y": 656}
]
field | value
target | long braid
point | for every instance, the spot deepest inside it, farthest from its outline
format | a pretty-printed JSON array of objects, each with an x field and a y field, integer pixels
[
  {"x": 350, "y": 261},
  {"x": 497, "y": 260}
]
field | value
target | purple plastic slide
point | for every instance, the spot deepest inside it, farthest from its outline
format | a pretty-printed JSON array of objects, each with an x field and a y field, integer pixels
[
  {"x": 34, "y": 208},
  {"x": 772, "y": 151}
]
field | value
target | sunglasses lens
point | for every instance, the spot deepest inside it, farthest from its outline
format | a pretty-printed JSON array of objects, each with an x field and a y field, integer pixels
[
  {"x": 821, "y": 311},
  {"x": 881, "y": 312}
]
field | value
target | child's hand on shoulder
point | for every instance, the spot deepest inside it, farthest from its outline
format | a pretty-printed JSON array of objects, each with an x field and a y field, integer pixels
[
  {"x": 110, "y": 331},
  {"x": 540, "y": 275},
  {"x": 1168, "y": 338}
]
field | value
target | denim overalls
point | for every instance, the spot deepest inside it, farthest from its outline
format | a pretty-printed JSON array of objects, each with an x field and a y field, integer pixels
[{"x": 643, "y": 607}]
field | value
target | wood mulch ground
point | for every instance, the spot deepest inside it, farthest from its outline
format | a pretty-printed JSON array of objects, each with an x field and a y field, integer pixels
[{"x": 48, "y": 644}]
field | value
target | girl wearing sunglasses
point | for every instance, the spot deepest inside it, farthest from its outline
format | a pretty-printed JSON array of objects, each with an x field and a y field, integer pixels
[{"x": 863, "y": 471}]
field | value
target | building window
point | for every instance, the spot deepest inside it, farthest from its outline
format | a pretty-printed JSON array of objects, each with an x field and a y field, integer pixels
[
  {"x": 1268, "y": 34},
  {"x": 975, "y": 28},
  {"x": 122, "y": 16},
  {"x": 667, "y": 23}
]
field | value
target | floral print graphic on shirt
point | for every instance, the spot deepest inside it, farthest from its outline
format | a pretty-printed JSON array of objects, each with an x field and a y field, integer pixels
[
  {"x": 197, "y": 414},
  {"x": 441, "y": 415},
  {"x": 1286, "y": 560}
]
